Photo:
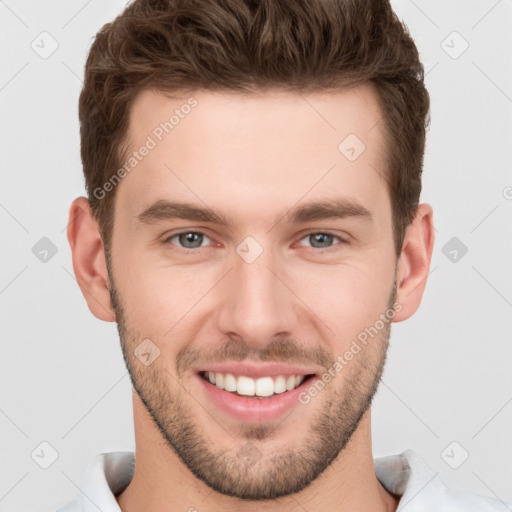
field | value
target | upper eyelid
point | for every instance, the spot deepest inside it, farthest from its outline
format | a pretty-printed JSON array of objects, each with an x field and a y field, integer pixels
[
  {"x": 322, "y": 233},
  {"x": 184, "y": 232}
]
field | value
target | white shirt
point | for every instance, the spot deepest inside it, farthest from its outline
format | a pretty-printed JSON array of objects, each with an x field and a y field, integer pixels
[{"x": 406, "y": 475}]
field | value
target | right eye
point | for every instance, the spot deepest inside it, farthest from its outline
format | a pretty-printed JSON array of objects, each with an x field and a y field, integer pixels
[{"x": 187, "y": 239}]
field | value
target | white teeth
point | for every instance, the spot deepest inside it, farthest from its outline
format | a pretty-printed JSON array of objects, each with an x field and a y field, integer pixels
[
  {"x": 230, "y": 382},
  {"x": 280, "y": 384},
  {"x": 262, "y": 387},
  {"x": 265, "y": 386},
  {"x": 246, "y": 386}
]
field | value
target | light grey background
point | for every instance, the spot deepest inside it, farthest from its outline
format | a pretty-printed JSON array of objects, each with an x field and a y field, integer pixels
[{"x": 448, "y": 378}]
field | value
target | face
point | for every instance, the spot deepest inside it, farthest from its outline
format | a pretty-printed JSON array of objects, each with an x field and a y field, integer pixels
[{"x": 251, "y": 251}]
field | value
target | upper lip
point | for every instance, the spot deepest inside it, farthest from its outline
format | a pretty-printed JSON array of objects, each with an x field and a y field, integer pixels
[{"x": 258, "y": 370}]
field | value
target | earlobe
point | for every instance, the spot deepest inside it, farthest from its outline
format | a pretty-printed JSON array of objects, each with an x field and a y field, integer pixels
[
  {"x": 88, "y": 256},
  {"x": 414, "y": 262}
]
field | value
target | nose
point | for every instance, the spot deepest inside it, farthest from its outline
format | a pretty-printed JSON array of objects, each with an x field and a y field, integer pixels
[{"x": 256, "y": 304}]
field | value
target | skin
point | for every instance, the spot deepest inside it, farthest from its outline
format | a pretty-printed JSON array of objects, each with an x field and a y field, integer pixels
[{"x": 253, "y": 158}]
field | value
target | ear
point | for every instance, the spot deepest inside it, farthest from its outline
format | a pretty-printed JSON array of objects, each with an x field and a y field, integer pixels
[
  {"x": 88, "y": 255},
  {"x": 414, "y": 262}
]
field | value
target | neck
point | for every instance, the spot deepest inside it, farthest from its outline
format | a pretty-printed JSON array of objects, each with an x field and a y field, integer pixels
[{"x": 162, "y": 482}]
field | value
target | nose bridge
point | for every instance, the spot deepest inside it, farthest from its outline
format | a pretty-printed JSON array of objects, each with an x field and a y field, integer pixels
[{"x": 256, "y": 305}]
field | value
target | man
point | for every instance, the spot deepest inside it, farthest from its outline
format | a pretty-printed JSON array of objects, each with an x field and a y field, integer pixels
[{"x": 253, "y": 226}]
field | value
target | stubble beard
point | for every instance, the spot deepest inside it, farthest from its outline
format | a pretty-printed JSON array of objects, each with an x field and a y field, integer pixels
[{"x": 243, "y": 471}]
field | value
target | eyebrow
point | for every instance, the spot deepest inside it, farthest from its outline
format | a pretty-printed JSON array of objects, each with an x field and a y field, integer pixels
[{"x": 319, "y": 210}]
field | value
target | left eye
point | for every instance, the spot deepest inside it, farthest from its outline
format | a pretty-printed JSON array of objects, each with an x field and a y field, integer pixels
[{"x": 321, "y": 240}]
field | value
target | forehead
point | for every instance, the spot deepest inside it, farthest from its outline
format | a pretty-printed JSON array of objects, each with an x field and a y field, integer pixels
[{"x": 244, "y": 150}]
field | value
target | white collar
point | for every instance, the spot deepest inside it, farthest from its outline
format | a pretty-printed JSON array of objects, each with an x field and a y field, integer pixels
[{"x": 406, "y": 475}]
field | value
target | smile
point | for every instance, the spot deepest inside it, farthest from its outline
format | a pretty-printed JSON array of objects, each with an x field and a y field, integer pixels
[
  {"x": 254, "y": 393},
  {"x": 261, "y": 387}
]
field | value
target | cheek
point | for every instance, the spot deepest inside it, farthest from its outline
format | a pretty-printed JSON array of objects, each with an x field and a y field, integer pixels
[
  {"x": 157, "y": 296},
  {"x": 347, "y": 297}
]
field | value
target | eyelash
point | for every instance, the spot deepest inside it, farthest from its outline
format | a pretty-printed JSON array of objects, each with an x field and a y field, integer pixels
[{"x": 168, "y": 239}]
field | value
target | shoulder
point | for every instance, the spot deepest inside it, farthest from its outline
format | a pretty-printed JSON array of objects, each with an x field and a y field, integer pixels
[
  {"x": 106, "y": 476},
  {"x": 421, "y": 490}
]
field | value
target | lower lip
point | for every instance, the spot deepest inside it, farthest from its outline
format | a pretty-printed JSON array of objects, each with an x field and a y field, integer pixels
[{"x": 253, "y": 410}]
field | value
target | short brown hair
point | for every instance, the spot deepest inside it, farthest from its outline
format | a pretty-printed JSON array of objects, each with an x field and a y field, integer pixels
[{"x": 254, "y": 45}]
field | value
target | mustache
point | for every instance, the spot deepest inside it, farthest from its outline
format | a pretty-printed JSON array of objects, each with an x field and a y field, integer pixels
[{"x": 277, "y": 351}]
